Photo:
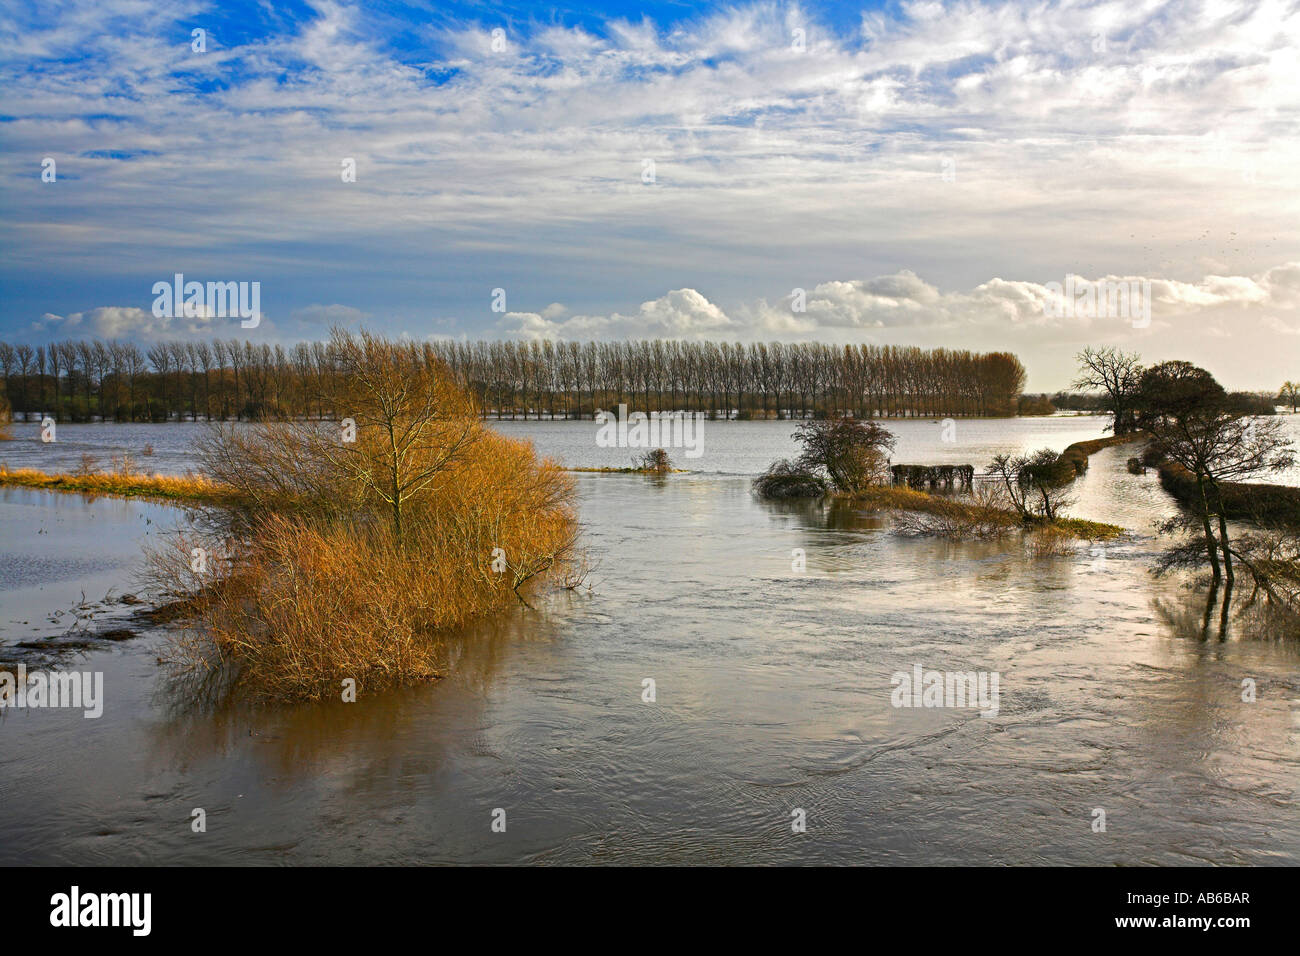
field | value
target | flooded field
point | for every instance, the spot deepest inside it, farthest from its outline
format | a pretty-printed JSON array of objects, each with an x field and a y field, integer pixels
[{"x": 772, "y": 691}]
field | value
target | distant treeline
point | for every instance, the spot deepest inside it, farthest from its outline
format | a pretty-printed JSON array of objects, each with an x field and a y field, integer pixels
[
  {"x": 1079, "y": 401},
  {"x": 89, "y": 379},
  {"x": 1247, "y": 403}
]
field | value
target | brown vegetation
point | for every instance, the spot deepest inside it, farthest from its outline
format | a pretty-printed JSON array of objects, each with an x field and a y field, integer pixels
[
  {"x": 979, "y": 518},
  {"x": 983, "y": 516},
  {"x": 121, "y": 484},
  {"x": 1049, "y": 541},
  {"x": 655, "y": 461},
  {"x": 1034, "y": 405},
  {"x": 341, "y": 554}
]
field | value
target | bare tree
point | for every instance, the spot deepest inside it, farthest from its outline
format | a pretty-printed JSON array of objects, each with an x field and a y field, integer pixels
[
  {"x": 411, "y": 421},
  {"x": 26, "y": 362},
  {"x": 1116, "y": 373},
  {"x": 1037, "y": 485}
]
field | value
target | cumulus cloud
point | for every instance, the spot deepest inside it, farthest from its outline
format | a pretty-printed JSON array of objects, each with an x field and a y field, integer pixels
[
  {"x": 680, "y": 314},
  {"x": 129, "y": 322}
]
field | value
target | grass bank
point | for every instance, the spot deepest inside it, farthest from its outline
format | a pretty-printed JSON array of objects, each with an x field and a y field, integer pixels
[
  {"x": 1078, "y": 453},
  {"x": 1272, "y": 504}
]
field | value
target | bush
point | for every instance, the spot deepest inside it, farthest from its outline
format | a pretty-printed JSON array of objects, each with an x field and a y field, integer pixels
[
  {"x": 337, "y": 559},
  {"x": 979, "y": 518},
  {"x": 786, "y": 479},
  {"x": 1249, "y": 501},
  {"x": 1253, "y": 403},
  {"x": 1049, "y": 541},
  {"x": 1035, "y": 485},
  {"x": 656, "y": 461},
  {"x": 850, "y": 452}
]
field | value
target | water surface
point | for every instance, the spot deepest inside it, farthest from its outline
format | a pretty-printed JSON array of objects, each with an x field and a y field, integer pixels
[{"x": 773, "y": 693}]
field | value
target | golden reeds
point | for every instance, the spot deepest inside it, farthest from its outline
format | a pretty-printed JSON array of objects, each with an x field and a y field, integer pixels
[{"x": 351, "y": 550}]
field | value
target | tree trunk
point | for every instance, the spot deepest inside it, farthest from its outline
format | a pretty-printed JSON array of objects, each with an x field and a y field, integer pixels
[
  {"x": 1211, "y": 548},
  {"x": 1223, "y": 545}
]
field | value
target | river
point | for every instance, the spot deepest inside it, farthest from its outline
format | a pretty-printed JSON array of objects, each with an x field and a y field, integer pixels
[{"x": 772, "y": 691}]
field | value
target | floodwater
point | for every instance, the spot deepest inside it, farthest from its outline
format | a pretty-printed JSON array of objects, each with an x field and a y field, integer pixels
[{"x": 772, "y": 691}]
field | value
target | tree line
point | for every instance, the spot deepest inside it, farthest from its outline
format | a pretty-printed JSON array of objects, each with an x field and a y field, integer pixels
[{"x": 88, "y": 379}]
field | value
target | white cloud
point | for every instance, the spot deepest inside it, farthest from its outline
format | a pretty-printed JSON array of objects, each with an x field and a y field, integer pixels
[
  {"x": 129, "y": 322},
  {"x": 736, "y": 120},
  {"x": 680, "y": 314},
  {"x": 1213, "y": 320},
  {"x": 1277, "y": 325},
  {"x": 906, "y": 302},
  {"x": 1169, "y": 146}
]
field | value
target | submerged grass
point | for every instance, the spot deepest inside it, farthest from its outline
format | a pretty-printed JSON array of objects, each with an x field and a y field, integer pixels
[
  {"x": 630, "y": 471},
  {"x": 956, "y": 518},
  {"x": 985, "y": 517},
  {"x": 118, "y": 484}
]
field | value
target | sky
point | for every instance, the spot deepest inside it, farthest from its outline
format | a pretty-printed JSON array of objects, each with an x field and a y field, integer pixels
[{"x": 887, "y": 173}]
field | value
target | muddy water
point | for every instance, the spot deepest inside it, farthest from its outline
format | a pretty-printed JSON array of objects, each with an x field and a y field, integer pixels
[{"x": 773, "y": 693}]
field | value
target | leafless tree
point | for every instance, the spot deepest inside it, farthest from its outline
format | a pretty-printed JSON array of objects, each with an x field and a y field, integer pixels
[{"x": 1117, "y": 374}]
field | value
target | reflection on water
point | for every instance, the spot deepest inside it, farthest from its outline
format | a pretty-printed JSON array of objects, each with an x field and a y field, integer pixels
[{"x": 773, "y": 693}]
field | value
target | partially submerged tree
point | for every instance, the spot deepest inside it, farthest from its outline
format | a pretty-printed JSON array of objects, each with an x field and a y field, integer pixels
[
  {"x": 344, "y": 550},
  {"x": 1036, "y": 485},
  {"x": 788, "y": 479},
  {"x": 853, "y": 454},
  {"x": 656, "y": 461},
  {"x": 412, "y": 420},
  {"x": 1196, "y": 427},
  {"x": 1118, "y": 375}
]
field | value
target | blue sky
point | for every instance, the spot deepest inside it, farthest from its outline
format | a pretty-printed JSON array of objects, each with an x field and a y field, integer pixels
[{"x": 922, "y": 170}]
